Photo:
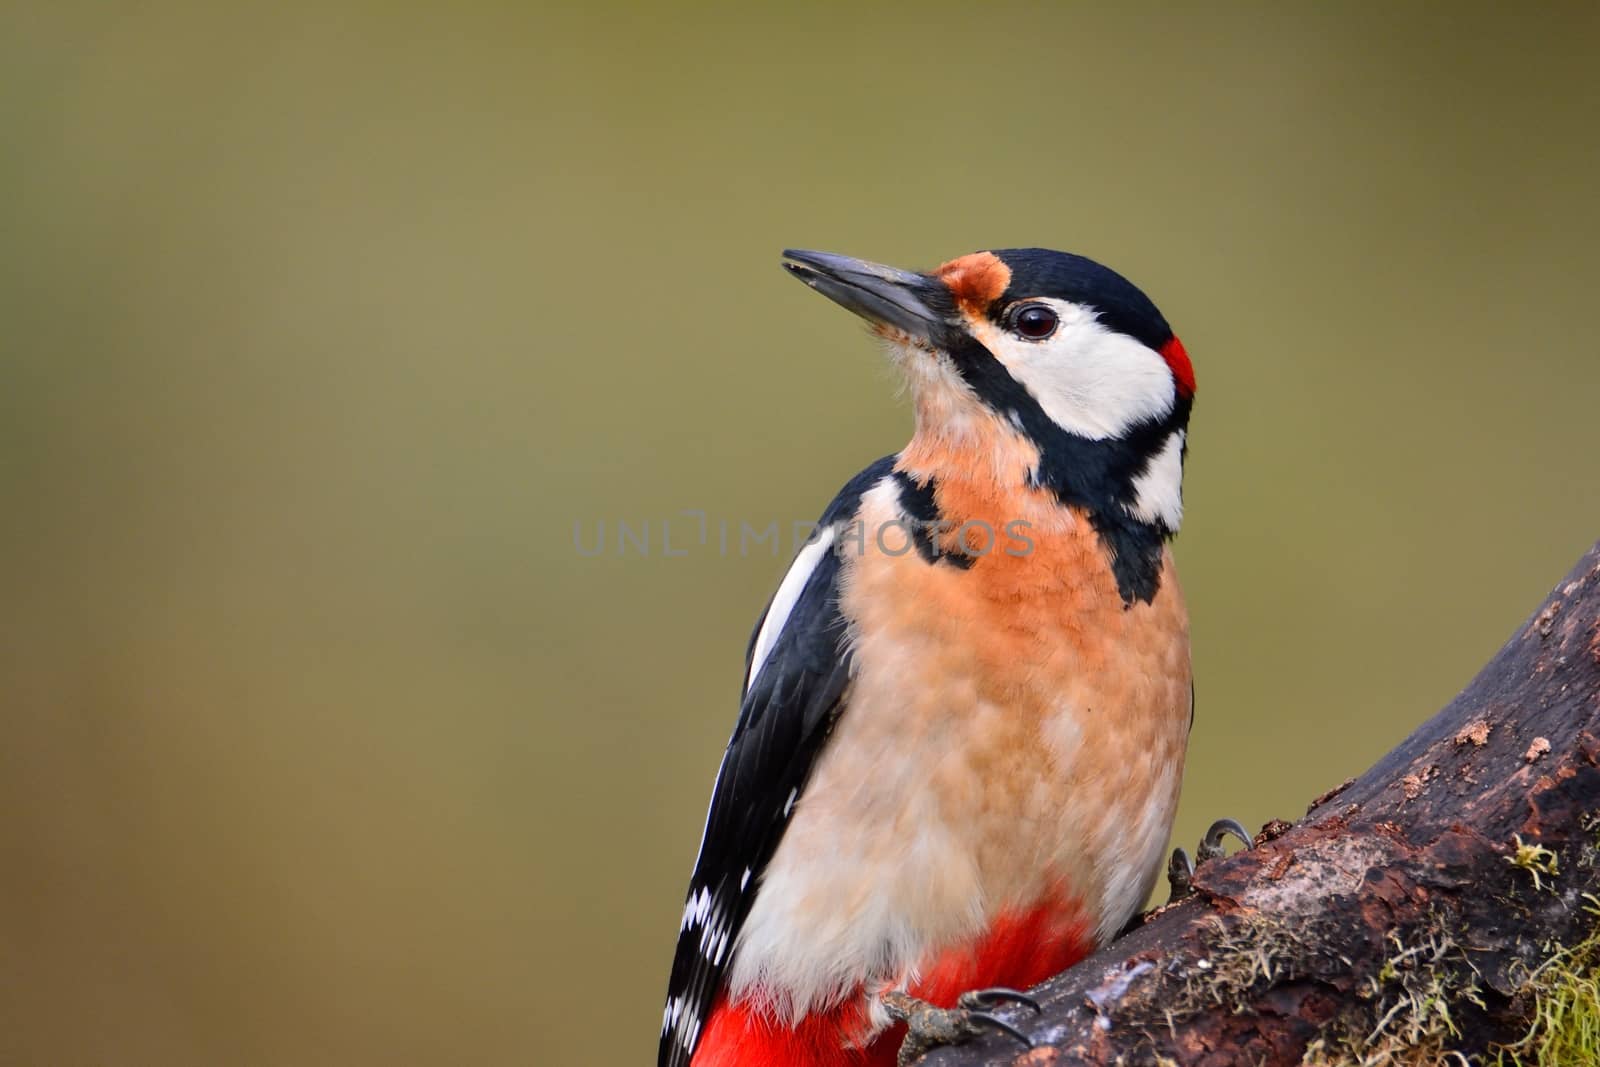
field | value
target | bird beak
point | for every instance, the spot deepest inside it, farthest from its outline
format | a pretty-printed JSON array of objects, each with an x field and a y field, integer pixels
[{"x": 884, "y": 296}]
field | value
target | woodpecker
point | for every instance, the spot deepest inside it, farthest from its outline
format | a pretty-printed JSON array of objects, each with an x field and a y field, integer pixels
[{"x": 965, "y": 709}]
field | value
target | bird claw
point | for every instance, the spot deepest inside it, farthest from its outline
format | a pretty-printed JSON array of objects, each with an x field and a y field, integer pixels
[
  {"x": 1180, "y": 868},
  {"x": 1210, "y": 846},
  {"x": 1180, "y": 875},
  {"x": 977, "y": 1021},
  {"x": 974, "y": 999},
  {"x": 928, "y": 1027}
]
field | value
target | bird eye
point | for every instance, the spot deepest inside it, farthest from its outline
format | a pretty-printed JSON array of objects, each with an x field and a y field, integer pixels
[{"x": 1035, "y": 322}]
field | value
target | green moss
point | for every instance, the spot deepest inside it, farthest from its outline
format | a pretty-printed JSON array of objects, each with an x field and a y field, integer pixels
[
  {"x": 1564, "y": 1028},
  {"x": 1535, "y": 859},
  {"x": 1408, "y": 1010},
  {"x": 1411, "y": 997},
  {"x": 1240, "y": 955}
]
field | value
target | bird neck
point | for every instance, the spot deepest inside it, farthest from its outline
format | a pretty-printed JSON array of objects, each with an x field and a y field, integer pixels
[{"x": 980, "y": 469}]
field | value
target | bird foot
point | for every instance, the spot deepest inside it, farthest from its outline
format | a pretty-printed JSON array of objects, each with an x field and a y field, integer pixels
[
  {"x": 928, "y": 1027},
  {"x": 1180, "y": 868}
]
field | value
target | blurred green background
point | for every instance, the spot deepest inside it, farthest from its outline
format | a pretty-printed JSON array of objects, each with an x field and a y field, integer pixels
[{"x": 324, "y": 324}]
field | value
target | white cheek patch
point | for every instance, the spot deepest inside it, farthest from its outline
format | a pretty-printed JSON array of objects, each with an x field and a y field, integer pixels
[
  {"x": 1158, "y": 492},
  {"x": 1091, "y": 380}
]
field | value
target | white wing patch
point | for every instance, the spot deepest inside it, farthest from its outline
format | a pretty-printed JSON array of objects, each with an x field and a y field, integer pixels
[
  {"x": 707, "y": 911},
  {"x": 784, "y": 599}
]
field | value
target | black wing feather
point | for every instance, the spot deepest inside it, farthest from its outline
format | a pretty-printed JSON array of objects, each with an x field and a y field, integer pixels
[{"x": 785, "y": 718}]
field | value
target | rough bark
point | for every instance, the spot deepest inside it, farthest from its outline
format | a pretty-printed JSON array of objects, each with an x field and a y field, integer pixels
[{"x": 1434, "y": 881}]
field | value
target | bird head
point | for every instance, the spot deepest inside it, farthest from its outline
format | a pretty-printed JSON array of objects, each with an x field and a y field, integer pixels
[{"x": 1037, "y": 347}]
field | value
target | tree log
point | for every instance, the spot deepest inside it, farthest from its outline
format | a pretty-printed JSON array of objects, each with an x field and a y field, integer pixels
[{"x": 1403, "y": 913}]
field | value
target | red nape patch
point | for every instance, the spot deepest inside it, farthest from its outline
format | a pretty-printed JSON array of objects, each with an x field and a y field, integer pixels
[
  {"x": 1021, "y": 949},
  {"x": 1182, "y": 370}
]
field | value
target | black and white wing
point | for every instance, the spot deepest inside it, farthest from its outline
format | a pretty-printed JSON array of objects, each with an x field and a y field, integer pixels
[{"x": 797, "y": 672}]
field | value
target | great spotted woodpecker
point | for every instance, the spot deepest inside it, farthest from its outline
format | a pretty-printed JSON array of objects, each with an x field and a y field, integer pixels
[{"x": 966, "y": 707}]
